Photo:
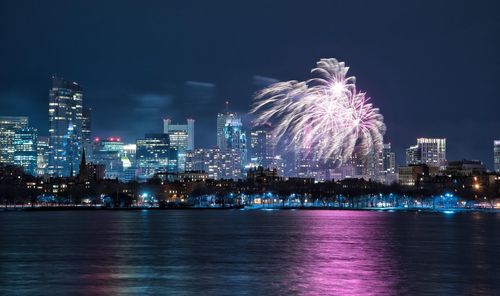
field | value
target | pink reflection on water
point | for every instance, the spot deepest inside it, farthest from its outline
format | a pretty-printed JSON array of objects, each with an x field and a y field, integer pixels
[{"x": 344, "y": 253}]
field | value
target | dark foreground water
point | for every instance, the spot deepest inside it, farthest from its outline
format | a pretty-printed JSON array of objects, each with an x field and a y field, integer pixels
[{"x": 234, "y": 252}]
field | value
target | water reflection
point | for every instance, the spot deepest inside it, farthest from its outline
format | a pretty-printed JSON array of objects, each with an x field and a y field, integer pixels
[
  {"x": 248, "y": 252},
  {"x": 346, "y": 253}
]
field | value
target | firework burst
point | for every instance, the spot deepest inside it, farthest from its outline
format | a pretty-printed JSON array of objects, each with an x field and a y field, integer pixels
[{"x": 326, "y": 115}]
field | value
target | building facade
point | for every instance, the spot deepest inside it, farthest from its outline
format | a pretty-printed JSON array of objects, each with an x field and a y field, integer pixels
[
  {"x": 236, "y": 138},
  {"x": 217, "y": 163},
  {"x": 222, "y": 119},
  {"x": 25, "y": 150},
  {"x": 262, "y": 147},
  {"x": 154, "y": 154},
  {"x": 87, "y": 130},
  {"x": 496, "y": 155},
  {"x": 181, "y": 137},
  {"x": 108, "y": 152},
  {"x": 8, "y": 127},
  {"x": 65, "y": 127},
  {"x": 42, "y": 155},
  {"x": 429, "y": 151}
]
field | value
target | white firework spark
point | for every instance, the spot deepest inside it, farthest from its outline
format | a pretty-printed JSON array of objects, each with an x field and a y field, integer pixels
[{"x": 326, "y": 115}]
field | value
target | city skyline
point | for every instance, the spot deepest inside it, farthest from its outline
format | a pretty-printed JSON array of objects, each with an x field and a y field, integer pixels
[
  {"x": 173, "y": 78},
  {"x": 283, "y": 147},
  {"x": 87, "y": 134}
]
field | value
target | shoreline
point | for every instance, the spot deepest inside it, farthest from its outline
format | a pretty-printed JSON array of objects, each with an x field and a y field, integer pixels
[{"x": 311, "y": 208}]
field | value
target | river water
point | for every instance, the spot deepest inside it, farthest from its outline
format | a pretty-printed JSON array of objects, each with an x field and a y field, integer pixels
[{"x": 235, "y": 252}]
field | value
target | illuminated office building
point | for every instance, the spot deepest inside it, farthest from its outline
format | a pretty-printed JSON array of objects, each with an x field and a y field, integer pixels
[
  {"x": 181, "y": 137},
  {"x": 108, "y": 152},
  {"x": 42, "y": 149},
  {"x": 154, "y": 154},
  {"x": 235, "y": 138},
  {"x": 222, "y": 119},
  {"x": 128, "y": 156},
  {"x": 431, "y": 152},
  {"x": 25, "y": 150},
  {"x": 262, "y": 147},
  {"x": 8, "y": 127},
  {"x": 65, "y": 127},
  {"x": 217, "y": 163},
  {"x": 87, "y": 131}
]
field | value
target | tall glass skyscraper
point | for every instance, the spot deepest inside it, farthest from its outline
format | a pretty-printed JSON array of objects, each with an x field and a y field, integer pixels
[
  {"x": 108, "y": 152},
  {"x": 42, "y": 155},
  {"x": 87, "y": 130},
  {"x": 222, "y": 119},
  {"x": 236, "y": 138},
  {"x": 154, "y": 154},
  {"x": 181, "y": 137},
  {"x": 65, "y": 127},
  {"x": 262, "y": 147},
  {"x": 8, "y": 127},
  {"x": 25, "y": 150}
]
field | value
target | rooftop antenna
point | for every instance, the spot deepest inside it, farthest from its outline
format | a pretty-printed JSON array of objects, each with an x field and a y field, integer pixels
[{"x": 227, "y": 106}]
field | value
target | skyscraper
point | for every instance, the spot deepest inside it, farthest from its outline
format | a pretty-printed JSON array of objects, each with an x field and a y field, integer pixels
[
  {"x": 181, "y": 137},
  {"x": 388, "y": 159},
  {"x": 413, "y": 155},
  {"x": 65, "y": 127},
  {"x": 429, "y": 151},
  {"x": 235, "y": 138},
  {"x": 8, "y": 127},
  {"x": 222, "y": 119},
  {"x": 154, "y": 154},
  {"x": 496, "y": 153},
  {"x": 42, "y": 155},
  {"x": 388, "y": 165},
  {"x": 262, "y": 146},
  {"x": 108, "y": 152},
  {"x": 25, "y": 150},
  {"x": 87, "y": 130}
]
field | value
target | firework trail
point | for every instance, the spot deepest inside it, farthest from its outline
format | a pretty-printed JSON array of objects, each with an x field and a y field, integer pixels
[{"x": 326, "y": 115}]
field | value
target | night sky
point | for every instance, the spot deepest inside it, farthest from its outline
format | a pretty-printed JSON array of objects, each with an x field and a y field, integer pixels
[{"x": 432, "y": 67}]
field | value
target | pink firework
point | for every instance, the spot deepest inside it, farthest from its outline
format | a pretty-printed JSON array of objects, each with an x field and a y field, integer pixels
[{"x": 326, "y": 114}]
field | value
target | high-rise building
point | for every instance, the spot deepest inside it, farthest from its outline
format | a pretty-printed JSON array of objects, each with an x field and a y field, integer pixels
[
  {"x": 413, "y": 155},
  {"x": 87, "y": 130},
  {"x": 235, "y": 138},
  {"x": 181, "y": 137},
  {"x": 388, "y": 160},
  {"x": 222, "y": 119},
  {"x": 8, "y": 127},
  {"x": 25, "y": 150},
  {"x": 129, "y": 163},
  {"x": 429, "y": 151},
  {"x": 496, "y": 153},
  {"x": 262, "y": 147},
  {"x": 65, "y": 127},
  {"x": 387, "y": 163},
  {"x": 217, "y": 163},
  {"x": 108, "y": 152},
  {"x": 154, "y": 154},
  {"x": 128, "y": 156},
  {"x": 42, "y": 155},
  {"x": 230, "y": 133}
]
